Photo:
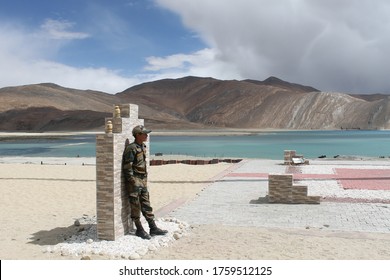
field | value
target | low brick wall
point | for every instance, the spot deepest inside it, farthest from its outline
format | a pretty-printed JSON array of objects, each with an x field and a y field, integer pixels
[{"x": 192, "y": 162}]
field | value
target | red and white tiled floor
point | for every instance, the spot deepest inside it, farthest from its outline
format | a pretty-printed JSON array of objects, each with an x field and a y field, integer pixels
[{"x": 359, "y": 182}]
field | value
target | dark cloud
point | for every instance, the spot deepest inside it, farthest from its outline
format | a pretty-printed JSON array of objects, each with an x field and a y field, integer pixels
[{"x": 336, "y": 45}]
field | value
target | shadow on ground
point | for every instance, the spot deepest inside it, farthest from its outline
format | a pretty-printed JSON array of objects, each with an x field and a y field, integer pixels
[
  {"x": 57, "y": 235},
  {"x": 260, "y": 200}
]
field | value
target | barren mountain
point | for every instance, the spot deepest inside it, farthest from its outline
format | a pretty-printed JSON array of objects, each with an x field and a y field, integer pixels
[
  {"x": 272, "y": 103},
  {"x": 193, "y": 102},
  {"x": 49, "y": 107},
  {"x": 52, "y": 95}
]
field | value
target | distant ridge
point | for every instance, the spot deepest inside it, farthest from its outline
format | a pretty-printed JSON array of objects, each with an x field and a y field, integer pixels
[
  {"x": 273, "y": 81},
  {"x": 194, "y": 103},
  {"x": 40, "y": 119}
]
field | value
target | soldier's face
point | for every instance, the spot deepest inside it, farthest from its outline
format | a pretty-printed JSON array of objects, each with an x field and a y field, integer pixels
[{"x": 142, "y": 137}]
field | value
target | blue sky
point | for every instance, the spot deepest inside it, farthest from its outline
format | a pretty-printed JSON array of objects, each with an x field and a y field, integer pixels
[{"x": 111, "y": 45}]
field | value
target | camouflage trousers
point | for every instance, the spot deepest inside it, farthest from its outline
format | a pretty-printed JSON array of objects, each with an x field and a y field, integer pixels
[{"x": 139, "y": 199}]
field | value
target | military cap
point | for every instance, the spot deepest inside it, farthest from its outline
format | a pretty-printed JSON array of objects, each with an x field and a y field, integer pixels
[{"x": 140, "y": 129}]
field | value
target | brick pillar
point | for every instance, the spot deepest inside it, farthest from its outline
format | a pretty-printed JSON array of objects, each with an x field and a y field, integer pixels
[
  {"x": 288, "y": 155},
  {"x": 112, "y": 205}
]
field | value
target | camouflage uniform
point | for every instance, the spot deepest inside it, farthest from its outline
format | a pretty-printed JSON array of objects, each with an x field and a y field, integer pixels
[{"x": 135, "y": 173}]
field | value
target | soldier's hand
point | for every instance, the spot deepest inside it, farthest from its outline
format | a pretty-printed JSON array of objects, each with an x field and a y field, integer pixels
[{"x": 132, "y": 180}]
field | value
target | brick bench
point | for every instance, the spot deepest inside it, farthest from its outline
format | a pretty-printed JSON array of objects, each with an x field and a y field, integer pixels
[
  {"x": 282, "y": 190},
  {"x": 292, "y": 158}
]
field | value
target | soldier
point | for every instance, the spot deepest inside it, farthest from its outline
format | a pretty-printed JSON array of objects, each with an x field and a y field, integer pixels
[{"x": 135, "y": 174}]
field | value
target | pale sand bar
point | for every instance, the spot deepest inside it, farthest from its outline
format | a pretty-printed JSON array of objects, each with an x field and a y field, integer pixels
[{"x": 39, "y": 204}]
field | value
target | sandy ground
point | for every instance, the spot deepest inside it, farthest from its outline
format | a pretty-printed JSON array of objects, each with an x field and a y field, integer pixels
[{"x": 39, "y": 204}]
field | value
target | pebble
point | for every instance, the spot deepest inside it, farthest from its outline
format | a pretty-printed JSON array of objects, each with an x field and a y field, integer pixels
[
  {"x": 142, "y": 251},
  {"x": 134, "y": 256},
  {"x": 176, "y": 235},
  {"x": 152, "y": 248}
]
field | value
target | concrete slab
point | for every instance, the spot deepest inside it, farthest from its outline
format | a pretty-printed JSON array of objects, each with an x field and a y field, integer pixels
[{"x": 237, "y": 198}]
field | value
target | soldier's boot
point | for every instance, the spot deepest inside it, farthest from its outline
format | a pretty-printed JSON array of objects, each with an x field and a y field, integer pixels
[
  {"x": 154, "y": 230},
  {"x": 140, "y": 232}
]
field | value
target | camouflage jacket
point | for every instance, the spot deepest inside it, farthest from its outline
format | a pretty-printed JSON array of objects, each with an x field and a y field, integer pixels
[{"x": 134, "y": 160}]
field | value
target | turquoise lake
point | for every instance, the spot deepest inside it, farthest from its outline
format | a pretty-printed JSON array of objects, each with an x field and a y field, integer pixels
[{"x": 270, "y": 145}]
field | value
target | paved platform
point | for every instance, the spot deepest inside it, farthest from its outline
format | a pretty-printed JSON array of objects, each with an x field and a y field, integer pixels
[{"x": 237, "y": 197}]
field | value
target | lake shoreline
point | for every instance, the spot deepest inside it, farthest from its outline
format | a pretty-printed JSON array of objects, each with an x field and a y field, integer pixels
[{"x": 184, "y": 132}]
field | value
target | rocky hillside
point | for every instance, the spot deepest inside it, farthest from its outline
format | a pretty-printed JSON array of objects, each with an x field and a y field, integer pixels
[{"x": 193, "y": 102}]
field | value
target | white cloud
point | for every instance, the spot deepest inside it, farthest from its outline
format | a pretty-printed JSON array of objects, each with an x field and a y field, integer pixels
[
  {"x": 203, "y": 63},
  {"x": 333, "y": 45},
  {"x": 59, "y": 30},
  {"x": 27, "y": 58},
  {"x": 100, "y": 79}
]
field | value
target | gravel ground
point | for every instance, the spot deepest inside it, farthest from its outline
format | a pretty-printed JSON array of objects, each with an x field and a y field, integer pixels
[{"x": 85, "y": 244}]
